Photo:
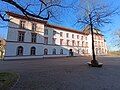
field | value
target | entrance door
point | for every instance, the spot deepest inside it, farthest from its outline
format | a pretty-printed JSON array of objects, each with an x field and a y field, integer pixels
[{"x": 70, "y": 52}]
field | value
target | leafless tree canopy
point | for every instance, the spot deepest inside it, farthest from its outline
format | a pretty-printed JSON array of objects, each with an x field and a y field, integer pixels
[
  {"x": 42, "y": 9},
  {"x": 116, "y": 38},
  {"x": 99, "y": 12}
]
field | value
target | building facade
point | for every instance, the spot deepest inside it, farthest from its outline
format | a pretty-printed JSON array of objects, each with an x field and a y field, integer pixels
[{"x": 33, "y": 38}]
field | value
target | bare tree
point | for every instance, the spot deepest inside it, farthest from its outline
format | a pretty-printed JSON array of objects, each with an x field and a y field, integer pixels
[
  {"x": 42, "y": 9},
  {"x": 94, "y": 13},
  {"x": 116, "y": 39}
]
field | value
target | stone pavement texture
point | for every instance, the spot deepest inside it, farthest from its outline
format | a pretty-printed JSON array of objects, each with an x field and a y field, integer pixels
[{"x": 71, "y": 73}]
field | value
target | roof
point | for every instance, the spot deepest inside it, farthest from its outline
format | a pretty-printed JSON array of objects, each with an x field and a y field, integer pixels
[
  {"x": 24, "y": 17},
  {"x": 44, "y": 22},
  {"x": 63, "y": 28},
  {"x": 88, "y": 28}
]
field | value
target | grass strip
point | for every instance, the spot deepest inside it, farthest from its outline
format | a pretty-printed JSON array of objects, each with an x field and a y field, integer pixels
[{"x": 7, "y": 79}]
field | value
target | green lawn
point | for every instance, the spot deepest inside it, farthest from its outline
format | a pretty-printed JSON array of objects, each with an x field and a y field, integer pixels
[{"x": 7, "y": 79}]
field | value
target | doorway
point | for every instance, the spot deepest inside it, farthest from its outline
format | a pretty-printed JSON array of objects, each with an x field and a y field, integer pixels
[{"x": 70, "y": 52}]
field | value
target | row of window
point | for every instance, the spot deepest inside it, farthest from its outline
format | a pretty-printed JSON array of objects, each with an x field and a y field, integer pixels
[
  {"x": 22, "y": 25},
  {"x": 99, "y": 44},
  {"x": 98, "y": 37},
  {"x": 53, "y": 51},
  {"x": 67, "y": 42},
  {"x": 100, "y": 51},
  {"x": 20, "y": 50},
  {"x": 21, "y": 36},
  {"x": 67, "y": 34},
  {"x": 34, "y": 25}
]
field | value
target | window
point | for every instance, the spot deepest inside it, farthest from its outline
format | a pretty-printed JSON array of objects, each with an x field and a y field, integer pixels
[
  {"x": 102, "y": 51},
  {"x": 102, "y": 44},
  {"x": 78, "y": 42},
  {"x": 73, "y": 42},
  {"x": 86, "y": 44},
  {"x": 67, "y": 35},
  {"x": 67, "y": 42},
  {"x": 72, "y": 35},
  {"x": 45, "y": 51},
  {"x": 45, "y": 40},
  {"x": 83, "y": 51},
  {"x": 99, "y": 50},
  {"x": 77, "y": 36},
  {"x": 96, "y": 50},
  {"x": 102, "y": 38},
  {"x": 98, "y": 37},
  {"x": 61, "y": 34},
  {"x": 81, "y": 37},
  {"x": 98, "y": 43},
  {"x": 78, "y": 51},
  {"x": 22, "y": 24},
  {"x": 61, "y": 51},
  {"x": 33, "y": 26},
  {"x": 54, "y": 32},
  {"x": 87, "y": 51},
  {"x": 32, "y": 51},
  {"x": 20, "y": 51},
  {"x": 54, "y": 51},
  {"x": 21, "y": 36},
  {"x": 82, "y": 43},
  {"x": 46, "y": 32},
  {"x": 94, "y": 36},
  {"x": 95, "y": 42},
  {"x": 54, "y": 40},
  {"x": 61, "y": 41},
  {"x": 33, "y": 37}
]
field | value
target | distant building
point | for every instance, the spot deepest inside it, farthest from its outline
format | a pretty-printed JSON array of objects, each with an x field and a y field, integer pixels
[
  {"x": 2, "y": 48},
  {"x": 33, "y": 38}
]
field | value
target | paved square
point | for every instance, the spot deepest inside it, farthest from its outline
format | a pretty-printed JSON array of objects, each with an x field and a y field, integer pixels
[{"x": 71, "y": 73}]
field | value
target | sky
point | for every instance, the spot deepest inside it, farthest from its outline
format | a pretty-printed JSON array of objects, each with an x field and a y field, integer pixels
[{"x": 68, "y": 21}]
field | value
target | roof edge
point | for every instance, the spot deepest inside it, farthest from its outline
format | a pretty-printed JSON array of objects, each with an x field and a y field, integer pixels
[{"x": 26, "y": 18}]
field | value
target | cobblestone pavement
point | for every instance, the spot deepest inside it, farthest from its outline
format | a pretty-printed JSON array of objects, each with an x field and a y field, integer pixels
[{"x": 71, "y": 73}]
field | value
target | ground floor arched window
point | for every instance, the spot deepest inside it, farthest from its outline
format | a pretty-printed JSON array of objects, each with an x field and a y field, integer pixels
[
  {"x": 32, "y": 51},
  {"x": 54, "y": 51},
  {"x": 71, "y": 52},
  {"x": 61, "y": 51},
  {"x": 45, "y": 51},
  {"x": 20, "y": 50},
  {"x": 102, "y": 51},
  {"x": 83, "y": 51}
]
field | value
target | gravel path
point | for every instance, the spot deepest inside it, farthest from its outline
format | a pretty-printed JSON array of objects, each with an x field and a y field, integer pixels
[{"x": 65, "y": 74}]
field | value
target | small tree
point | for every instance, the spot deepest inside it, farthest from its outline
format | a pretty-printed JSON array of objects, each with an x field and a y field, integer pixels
[{"x": 93, "y": 13}]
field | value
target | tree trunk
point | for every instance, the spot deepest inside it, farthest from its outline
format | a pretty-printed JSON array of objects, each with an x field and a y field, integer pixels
[{"x": 94, "y": 61}]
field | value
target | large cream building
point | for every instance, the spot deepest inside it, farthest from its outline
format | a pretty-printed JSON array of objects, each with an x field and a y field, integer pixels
[{"x": 32, "y": 38}]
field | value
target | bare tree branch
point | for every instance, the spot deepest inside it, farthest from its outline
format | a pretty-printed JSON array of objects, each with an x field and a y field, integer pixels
[
  {"x": 45, "y": 9},
  {"x": 2, "y": 17}
]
